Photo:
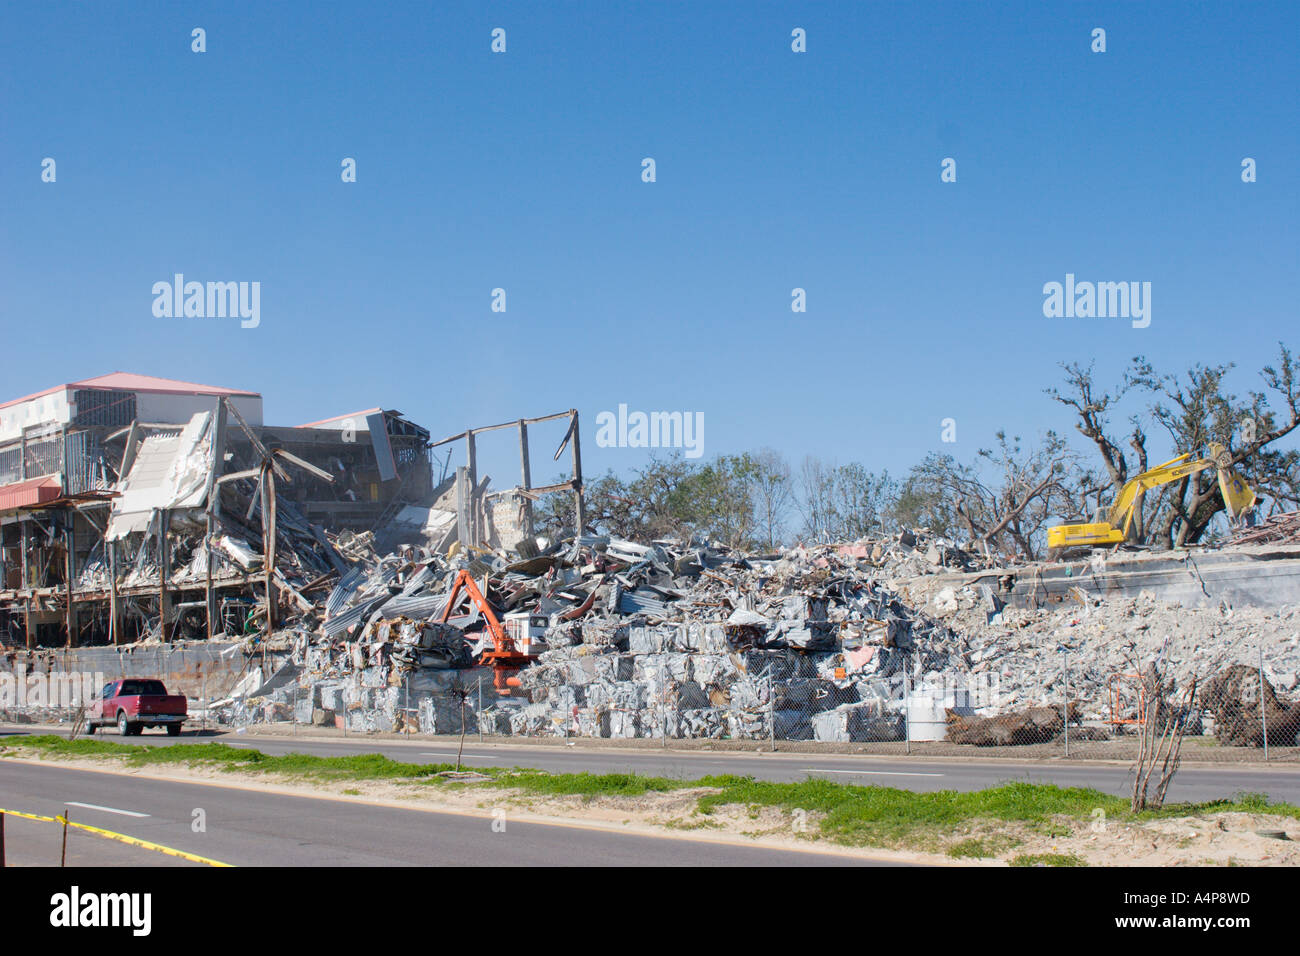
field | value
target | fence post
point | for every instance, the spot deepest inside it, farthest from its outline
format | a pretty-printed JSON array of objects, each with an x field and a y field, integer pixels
[
  {"x": 2, "y": 840},
  {"x": 771, "y": 716},
  {"x": 203, "y": 693},
  {"x": 63, "y": 856},
  {"x": 1065, "y": 705},
  {"x": 1263, "y": 711},
  {"x": 907, "y": 707},
  {"x": 479, "y": 716},
  {"x": 294, "y": 715}
]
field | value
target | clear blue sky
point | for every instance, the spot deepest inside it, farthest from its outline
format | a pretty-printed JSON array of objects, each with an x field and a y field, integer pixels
[{"x": 523, "y": 171}]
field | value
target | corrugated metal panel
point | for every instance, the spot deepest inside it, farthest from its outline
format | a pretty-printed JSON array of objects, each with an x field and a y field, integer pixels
[
  {"x": 342, "y": 591},
  {"x": 419, "y": 606},
  {"x": 33, "y": 491},
  {"x": 633, "y": 601},
  {"x": 353, "y": 615}
]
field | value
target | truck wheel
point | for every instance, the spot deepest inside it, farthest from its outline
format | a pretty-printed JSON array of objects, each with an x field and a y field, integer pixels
[
  {"x": 173, "y": 730},
  {"x": 123, "y": 725},
  {"x": 90, "y": 729}
]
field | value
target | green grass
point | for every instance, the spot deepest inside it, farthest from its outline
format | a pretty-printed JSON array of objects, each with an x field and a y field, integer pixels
[
  {"x": 586, "y": 785},
  {"x": 973, "y": 849},
  {"x": 1048, "y": 859},
  {"x": 885, "y": 816},
  {"x": 235, "y": 759},
  {"x": 849, "y": 814}
]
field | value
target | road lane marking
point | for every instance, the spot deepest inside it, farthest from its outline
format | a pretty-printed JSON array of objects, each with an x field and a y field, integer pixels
[
  {"x": 874, "y": 773},
  {"x": 438, "y": 753},
  {"x": 93, "y": 806}
]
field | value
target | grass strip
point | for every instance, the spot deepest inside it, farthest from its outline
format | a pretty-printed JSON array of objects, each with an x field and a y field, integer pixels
[{"x": 849, "y": 814}]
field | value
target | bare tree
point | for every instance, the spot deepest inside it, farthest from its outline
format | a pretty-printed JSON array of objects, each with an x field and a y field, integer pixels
[
  {"x": 861, "y": 501},
  {"x": 773, "y": 493},
  {"x": 1006, "y": 504},
  {"x": 816, "y": 499},
  {"x": 1160, "y": 741}
]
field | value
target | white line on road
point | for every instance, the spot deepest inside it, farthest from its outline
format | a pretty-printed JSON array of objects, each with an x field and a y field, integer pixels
[
  {"x": 435, "y": 753},
  {"x": 91, "y": 806},
  {"x": 882, "y": 773}
]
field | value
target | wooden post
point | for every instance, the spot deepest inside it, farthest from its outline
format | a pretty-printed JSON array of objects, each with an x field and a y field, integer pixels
[
  {"x": 114, "y": 606},
  {"x": 580, "y": 511},
  {"x": 27, "y": 598},
  {"x": 69, "y": 569},
  {"x": 214, "y": 505},
  {"x": 209, "y": 599},
  {"x": 268, "y": 543},
  {"x": 526, "y": 475},
  {"x": 164, "y": 570}
]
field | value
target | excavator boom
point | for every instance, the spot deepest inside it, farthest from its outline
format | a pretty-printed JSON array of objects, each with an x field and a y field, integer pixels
[
  {"x": 1237, "y": 497},
  {"x": 505, "y": 657}
]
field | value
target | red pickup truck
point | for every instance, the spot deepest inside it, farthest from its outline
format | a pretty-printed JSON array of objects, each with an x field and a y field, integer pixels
[{"x": 136, "y": 703}]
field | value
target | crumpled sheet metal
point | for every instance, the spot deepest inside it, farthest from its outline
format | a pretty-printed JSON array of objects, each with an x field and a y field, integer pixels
[{"x": 645, "y": 638}]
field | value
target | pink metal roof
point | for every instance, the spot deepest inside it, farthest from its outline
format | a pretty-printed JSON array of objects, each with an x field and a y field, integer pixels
[
  {"x": 33, "y": 491},
  {"x": 131, "y": 382}
]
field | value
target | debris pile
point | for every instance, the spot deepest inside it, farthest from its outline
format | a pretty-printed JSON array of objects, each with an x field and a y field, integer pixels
[
  {"x": 1025, "y": 655},
  {"x": 686, "y": 639},
  {"x": 1034, "y": 725},
  {"x": 632, "y": 640},
  {"x": 1277, "y": 529},
  {"x": 1234, "y": 698}
]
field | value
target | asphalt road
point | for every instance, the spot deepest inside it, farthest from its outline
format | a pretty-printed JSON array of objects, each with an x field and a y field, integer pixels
[
  {"x": 1192, "y": 783},
  {"x": 252, "y": 828}
]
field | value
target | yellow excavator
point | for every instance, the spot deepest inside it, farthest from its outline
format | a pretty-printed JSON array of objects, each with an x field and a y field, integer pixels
[{"x": 1237, "y": 496}]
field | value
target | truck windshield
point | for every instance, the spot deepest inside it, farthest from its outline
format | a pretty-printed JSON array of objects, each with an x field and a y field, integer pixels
[{"x": 142, "y": 688}]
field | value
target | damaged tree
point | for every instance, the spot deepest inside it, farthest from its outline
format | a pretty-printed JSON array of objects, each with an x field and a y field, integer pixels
[
  {"x": 1160, "y": 739},
  {"x": 1195, "y": 413}
]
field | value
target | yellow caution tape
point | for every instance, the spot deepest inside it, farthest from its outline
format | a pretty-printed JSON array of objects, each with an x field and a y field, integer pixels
[
  {"x": 31, "y": 816},
  {"x": 122, "y": 837}
]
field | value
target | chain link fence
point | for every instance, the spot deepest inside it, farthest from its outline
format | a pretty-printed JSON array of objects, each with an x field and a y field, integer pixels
[
  {"x": 692, "y": 683},
  {"x": 1235, "y": 706}
]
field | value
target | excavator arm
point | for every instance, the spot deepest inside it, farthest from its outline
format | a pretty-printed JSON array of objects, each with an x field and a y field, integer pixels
[
  {"x": 1237, "y": 497},
  {"x": 504, "y": 658}
]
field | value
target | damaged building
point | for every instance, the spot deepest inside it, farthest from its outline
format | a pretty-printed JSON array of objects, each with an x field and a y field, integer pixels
[
  {"x": 334, "y": 576},
  {"x": 110, "y": 486}
]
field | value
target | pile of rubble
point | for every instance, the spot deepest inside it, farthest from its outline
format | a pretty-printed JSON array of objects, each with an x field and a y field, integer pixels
[
  {"x": 1027, "y": 655},
  {"x": 1276, "y": 529},
  {"x": 640, "y": 641},
  {"x": 689, "y": 640}
]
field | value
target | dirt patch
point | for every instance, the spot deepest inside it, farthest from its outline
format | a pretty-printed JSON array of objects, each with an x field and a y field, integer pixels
[{"x": 1213, "y": 839}]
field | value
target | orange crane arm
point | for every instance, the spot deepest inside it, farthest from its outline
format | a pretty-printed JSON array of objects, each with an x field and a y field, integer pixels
[{"x": 504, "y": 658}]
